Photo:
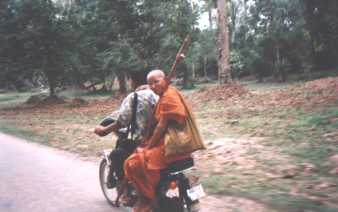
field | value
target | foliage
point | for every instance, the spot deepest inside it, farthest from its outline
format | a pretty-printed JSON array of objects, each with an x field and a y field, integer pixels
[
  {"x": 57, "y": 43},
  {"x": 35, "y": 41},
  {"x": 322, "y": 24},
  {"x": 281, "y": 37}
]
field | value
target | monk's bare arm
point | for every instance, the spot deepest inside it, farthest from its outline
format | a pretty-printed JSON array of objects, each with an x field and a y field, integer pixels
[{"x": 158, "y": 132}]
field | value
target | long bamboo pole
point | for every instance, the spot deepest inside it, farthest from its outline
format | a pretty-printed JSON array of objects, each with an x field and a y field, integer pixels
[{"x": 179, "y": 56}]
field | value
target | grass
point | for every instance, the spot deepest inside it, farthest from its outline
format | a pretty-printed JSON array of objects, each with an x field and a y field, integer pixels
[
  {"x": 292, "y": 136},
  {"x": 310, "y": 129},
  {"x": 26, "y": 134},
  {"x": 322, "y": 119},
  {"x": 254, "y": 86},
  {"x": 13, "y": 99},
  {"x": 274, "y": 196},
  {"x": 298, "y": 135},
  {"x": 86, "y": 94}
]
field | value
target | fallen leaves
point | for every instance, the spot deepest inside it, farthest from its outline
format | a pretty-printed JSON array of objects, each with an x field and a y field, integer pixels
[
  {"x": 325, "y": 185},
  {"x": 331, "y": 136},
  {"x": 319, "y": 92},
  {"x": 218, "y": 93},
  {"x": 334, "y": 160}
]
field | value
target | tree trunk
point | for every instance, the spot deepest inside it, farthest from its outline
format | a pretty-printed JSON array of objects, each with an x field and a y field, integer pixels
[
  {"x": 245, "y": 4},
  {"x": 51, "y": 90},
  {"x": 278, "y": 68},
  {"x": 122, "y": 82},
  {"x": 205, "y": 61},
  {"x": 312, "y": 56},
  {"x": 187, "y": 82},
  {"x": 193, "y": 71},
  {"x": 233, "y": 16},
  {"x": 210, "y": 16},
  {"x": 51, "y": 78},
  {"x": 110, "y": 83},
  {"x": 224, "y": 75},
  {"x": 185, "y": 78},
  {"x": 49, "y": 73}
]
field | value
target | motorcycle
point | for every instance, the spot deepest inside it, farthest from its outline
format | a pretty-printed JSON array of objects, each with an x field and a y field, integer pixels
[{"x": 174, "y": 191}]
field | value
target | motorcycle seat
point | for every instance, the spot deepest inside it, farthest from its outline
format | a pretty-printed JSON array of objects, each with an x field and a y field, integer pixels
[{"x": 179, "y": 165}]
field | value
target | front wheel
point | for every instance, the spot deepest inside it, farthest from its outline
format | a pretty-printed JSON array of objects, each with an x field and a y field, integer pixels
[{"x": 109, "y": 193}]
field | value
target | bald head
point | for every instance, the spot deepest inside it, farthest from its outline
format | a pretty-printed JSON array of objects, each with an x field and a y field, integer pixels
[
  {"x": 155, "y": 73},
  {"x": 157, "y": 82}
]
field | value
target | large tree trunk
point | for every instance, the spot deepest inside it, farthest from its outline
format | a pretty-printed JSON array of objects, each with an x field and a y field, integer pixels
[
  {"x": 233, "y": 16},
  {"x": 187, "y": 82},
  {"x": 51, "y": 82},
  {"x": 122, "y": 82},
  {"x": 51, "y": 88},
  {"x": 224, "y": 75},
  {"x": 50, "y": 75},
  {"x": 193, "y": 72},
  {"x": 209, "y": 14},
  {"x": 278, "y": 65}
]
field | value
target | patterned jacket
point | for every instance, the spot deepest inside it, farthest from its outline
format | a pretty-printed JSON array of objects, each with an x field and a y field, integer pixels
[{"x": 146, "y": 103}]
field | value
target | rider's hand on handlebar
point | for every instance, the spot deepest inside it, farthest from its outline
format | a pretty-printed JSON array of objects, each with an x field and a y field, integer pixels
[{"x": 100, "y": 130}]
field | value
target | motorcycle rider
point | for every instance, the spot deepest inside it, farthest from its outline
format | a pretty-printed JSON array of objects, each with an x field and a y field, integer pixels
[
  {"x": 146, "y": 101},
  {"x": 143, "y": 167}
]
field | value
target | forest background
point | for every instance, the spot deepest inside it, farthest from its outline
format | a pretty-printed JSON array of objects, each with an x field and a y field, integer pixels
[
  {"x": 83, "y": 43},
  {"x": 268, "y": 112}
]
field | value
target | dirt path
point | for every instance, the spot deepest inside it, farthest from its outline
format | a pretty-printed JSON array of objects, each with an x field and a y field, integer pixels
[
  {"x": 37, "y": 178},
  {"x": 40, "y": 178}
]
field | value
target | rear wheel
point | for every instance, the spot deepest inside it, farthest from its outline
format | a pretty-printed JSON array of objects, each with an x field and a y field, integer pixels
[{"x": 109, "y": 193}]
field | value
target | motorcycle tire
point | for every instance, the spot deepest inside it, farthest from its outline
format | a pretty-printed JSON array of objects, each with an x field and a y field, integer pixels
[{"x": 109, "y": 193}]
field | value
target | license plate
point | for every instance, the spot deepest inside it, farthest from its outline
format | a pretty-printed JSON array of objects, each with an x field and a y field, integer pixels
[
  {"x": 196, "y": 192},
  {"x": 171, "y": 193}
]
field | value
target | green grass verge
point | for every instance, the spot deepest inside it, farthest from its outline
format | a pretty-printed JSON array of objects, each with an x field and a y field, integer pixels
[
  {"x": 299, "y": 135},
  {"x": 28, "y": 135},
  {"x": 308, "y": 135},
  {"x": 13, "y": 99}
]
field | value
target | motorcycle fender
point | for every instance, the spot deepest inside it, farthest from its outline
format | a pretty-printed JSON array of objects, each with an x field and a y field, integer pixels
[{"x": 105, "y": 154}]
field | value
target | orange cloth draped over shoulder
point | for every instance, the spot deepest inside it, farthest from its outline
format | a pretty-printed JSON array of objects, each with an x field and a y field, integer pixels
[{"x": 142, "y": 169}]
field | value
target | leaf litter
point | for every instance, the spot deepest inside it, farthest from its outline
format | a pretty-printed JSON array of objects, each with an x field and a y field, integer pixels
[{"x": 220, "y": 101}]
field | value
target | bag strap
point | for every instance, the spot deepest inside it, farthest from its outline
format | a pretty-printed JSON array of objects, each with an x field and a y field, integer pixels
[
  {"x": 150, "y": 124},
  {"x": 133, "y": 125}
]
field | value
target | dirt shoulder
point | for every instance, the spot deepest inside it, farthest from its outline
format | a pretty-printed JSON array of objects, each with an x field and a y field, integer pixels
[{"x": 267, "y": 149}]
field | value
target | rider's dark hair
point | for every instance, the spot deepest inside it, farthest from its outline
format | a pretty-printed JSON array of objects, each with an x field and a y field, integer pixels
[{"x": 139, "y": 77}]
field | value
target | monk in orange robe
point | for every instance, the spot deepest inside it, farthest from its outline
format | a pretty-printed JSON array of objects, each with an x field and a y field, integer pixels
[{"x": 142, "y": 168}]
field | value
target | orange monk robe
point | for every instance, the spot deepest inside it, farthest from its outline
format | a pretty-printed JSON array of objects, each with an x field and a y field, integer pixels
[{"x": 143, "y": 169}]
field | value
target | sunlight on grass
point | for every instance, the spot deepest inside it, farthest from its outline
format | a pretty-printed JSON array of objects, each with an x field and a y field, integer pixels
[
  {"x": 76, "y": 93},
  {"x": 13, "y": 99},
  {"x": 26, "y": 134}
]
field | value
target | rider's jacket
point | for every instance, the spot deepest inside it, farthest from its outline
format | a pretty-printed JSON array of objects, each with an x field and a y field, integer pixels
[{"x": 146, "y": 102}]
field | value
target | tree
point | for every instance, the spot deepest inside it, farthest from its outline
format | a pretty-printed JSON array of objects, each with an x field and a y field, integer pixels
[
  {"x": 35, "y": 41},
  {"x": 270, "y": 39},
  {"x": 322, "y": 24},
  {"x": 148, "y": 34},
  {"x": 12, "y": 51},
  {"x": 46, "y": 39},
  {"x": 224, "y": 75}
]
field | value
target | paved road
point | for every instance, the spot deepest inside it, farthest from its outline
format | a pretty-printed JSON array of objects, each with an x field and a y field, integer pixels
[{"x": 41, "y": 179}]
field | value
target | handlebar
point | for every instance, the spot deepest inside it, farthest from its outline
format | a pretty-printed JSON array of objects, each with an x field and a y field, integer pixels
[{"x": 107, "y": 121}]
